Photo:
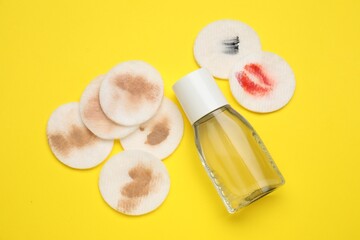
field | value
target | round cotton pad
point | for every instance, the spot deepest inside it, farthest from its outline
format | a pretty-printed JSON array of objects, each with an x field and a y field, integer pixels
[
  {"x": 134, "y": 182},
  {"x": 71, "y": 142},
  {"x": 221, "y": 44},
  {"x": 160, "y": 135},
  {"x": 262, "y": 83},
  {"x": 131, "y": 93},
  {"x": 95, "y": 119}
]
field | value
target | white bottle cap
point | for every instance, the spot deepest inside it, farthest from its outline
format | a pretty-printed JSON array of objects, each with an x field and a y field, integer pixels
[{"x": 198, "y": 94}]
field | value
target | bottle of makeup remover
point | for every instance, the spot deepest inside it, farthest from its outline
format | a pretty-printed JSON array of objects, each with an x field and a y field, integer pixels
[{"x": 231, "y": 152}]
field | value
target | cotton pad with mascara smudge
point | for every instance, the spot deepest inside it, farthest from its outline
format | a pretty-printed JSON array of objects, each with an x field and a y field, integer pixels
[
  {"x": 134, "y": 182},
  {"x": 262, "y": 82},
  {"x": 94, "y": 118},
  {"x": 131, "y": 93},
  {"x": 220, "y": 44},
  {"x": 160, "y": 135},
  {"x": 71, "y": 142}
]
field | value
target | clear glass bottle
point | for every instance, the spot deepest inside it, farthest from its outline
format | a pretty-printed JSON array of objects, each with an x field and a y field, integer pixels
[{"x": 231, "y": 152}]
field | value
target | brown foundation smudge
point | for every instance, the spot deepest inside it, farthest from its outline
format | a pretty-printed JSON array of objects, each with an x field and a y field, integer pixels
[
  {"x": 96, "y": 116},
  {"x": 158, "y": 134},
  {"x": 80, "y": 136},
  {"x": 128, "y": 204},
  {"x": 137, "y": 86},
  {"x": 140, "y": 186},
  {"x": 60, "y": 143},
  {"x": 77, "y": 137},
  {"x": 93, "y": 110}
]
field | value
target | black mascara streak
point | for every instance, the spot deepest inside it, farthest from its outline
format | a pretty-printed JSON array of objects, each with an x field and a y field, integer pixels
[
  {"x": 232, "y": 41},
  {"x": 231, "y": 45}
]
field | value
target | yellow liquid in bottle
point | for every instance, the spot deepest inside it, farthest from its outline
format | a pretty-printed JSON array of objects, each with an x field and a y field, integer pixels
[{"x": 235, "y": 158}]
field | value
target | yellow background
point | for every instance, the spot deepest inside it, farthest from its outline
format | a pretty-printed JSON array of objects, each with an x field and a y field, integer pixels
[{"x": 50, "y": 51}]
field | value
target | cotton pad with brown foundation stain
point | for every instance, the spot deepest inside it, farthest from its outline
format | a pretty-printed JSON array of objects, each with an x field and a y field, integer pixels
[
  {"x": 94, "y": 118},
  {"x": 134, "y": 182},
  {"x": 131, "y": 93},
  {"x": 71, "y": 142},
  {"x": 262, "y": 82},
  {"x": 160, "y": 135}
]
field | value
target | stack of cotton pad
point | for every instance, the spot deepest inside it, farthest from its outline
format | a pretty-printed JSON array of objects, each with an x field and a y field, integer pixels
[
  {"x": 259, "y": 81},
  {"x": 127, "y": 103}
]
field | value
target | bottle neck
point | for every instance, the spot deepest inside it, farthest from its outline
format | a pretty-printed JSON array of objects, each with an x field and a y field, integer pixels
[{"x": 211, "y": 114}]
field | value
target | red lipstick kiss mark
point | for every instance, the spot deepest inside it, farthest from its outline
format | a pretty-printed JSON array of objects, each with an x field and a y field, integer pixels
[{"x": 261, "y": 87}]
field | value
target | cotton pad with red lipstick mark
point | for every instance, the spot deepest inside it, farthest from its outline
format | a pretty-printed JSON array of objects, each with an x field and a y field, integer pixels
[
  {"x": 262, "y": 82},
  {"x": 134, "y": 182},
  {"x": 131, "y": 93},
  {"x": 161, "y": 134},
  {"x": 71, "y": 142},
  {"x": 95, "y": 119},
  {"x": 222, "y": 43}
]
